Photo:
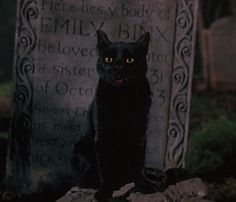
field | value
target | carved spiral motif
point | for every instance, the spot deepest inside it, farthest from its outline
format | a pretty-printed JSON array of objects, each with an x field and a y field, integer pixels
[
  {"x": 186, "y": 48},
  {"x": 182, "y": 21},
  {"x": 26, "y": 121},
  {"x": 181, "y": 72},
  {"x": 25, "y": 39},
  {"x": 181, "y": 106},
  {"x": 27, "y": 35},
  {"x": 175, "y": 151},
  {"x": 29, "y": 9},
  {"x": 173, "y": 132},
  {"x": 26, "y": 66},
  {"x": 180, "y": 77},
  {"x": 21, "y": 95}
]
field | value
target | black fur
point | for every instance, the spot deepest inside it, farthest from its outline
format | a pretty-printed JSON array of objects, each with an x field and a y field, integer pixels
[{"x": 111, "y": 153}]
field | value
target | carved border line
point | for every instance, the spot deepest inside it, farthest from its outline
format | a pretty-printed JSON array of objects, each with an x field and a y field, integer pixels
[
  {"x": 19, "y": 145},
  {"x": 181, "y": 83}
]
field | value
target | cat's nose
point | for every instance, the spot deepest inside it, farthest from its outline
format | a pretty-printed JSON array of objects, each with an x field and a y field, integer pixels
[
  {"x": 118, "y": 77},
  {"x": 118, "y": 67}
]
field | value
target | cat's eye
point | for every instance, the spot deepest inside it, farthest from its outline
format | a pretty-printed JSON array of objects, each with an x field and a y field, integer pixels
[
  {"x": 129, "y": 60},
  {"x": 108, "y": 60}
]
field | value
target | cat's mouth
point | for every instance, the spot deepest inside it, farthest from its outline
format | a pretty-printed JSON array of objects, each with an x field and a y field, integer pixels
[{"x": 118, "y": 80}]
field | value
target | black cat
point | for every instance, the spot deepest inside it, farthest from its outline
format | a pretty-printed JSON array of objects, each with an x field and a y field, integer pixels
[{"x": 111, "y": 153}]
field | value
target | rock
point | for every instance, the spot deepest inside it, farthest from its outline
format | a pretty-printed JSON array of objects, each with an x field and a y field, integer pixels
[
  {"x": 194, "y": 200},
  {"x": 123, "y": 190},
  {"x": 184, "y": 191},
  {"x": 156, "y": 197},
  {"x": 78, "y": 195},
  {"x": 192, "y": 190},
  {"x": 9, "y": 196}
]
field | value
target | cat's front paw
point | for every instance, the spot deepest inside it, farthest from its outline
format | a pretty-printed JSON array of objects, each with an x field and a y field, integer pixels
[{"x": 102, "y": 196}]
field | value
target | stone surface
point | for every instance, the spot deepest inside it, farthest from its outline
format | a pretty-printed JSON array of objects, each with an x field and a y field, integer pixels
[
  {"x": 222, "y": 54},
  {"x": 192, "y": 187},
  {"x": 192, "y": 190},
  {"x": 81, "y": 195},
  {"x": 55, "y": 81}
]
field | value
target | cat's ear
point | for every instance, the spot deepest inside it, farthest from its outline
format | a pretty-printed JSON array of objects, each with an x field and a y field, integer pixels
[
  {"x": 143, "y": 41},
  {"x": 102, "y": 39}
]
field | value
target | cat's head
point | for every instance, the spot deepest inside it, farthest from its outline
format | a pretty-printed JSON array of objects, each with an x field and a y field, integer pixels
[{"x": 121, "y": 63}]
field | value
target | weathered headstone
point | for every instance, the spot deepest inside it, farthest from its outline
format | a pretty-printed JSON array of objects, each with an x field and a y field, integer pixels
[
  {"x": 55, "y": 80},
  {"x": 222, "y": 54}
]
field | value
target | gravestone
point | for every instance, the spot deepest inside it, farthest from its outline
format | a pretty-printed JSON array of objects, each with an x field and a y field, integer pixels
[
  {"x": 222, "y": 54},
  {"x": 55, "y": 80}
]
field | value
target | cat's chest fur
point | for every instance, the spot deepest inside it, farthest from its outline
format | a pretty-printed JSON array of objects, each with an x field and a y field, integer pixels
[{"x": 120, "y": 112}]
